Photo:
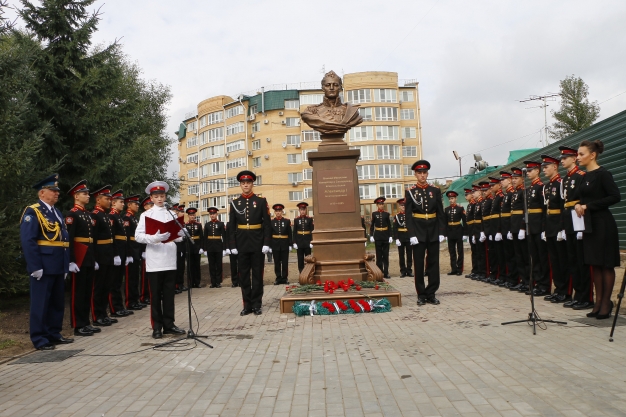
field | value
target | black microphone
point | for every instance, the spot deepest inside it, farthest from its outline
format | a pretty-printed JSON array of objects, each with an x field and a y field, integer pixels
[
  {"x": 524, "y": 170},
  {"x": 167, "y": 206}
]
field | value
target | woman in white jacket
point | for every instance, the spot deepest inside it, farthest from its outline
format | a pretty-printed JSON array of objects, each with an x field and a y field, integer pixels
[{"x": 160, "y": 263}]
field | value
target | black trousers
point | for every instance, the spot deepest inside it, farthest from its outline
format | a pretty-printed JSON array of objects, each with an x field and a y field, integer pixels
[
  {"x": 80, "y": 304},
  {"x": 580, "y": 273},
  {"x": 145, "y": 283},
  {"x": 474, "y": 256},
  {"x": 215, "y": 267},
  {"x": 132, "y": 283},
  {"x": 101, "y": 285},
  {"x": 539, "y": 256},
  {"x": 382, "y": 256},
  {"x": 162, "y": 286},
  {"x": 234, "y": 269},
  {"x": 281, "y": 265},
  {"x": 522, "y": 259},
  {"x": 405, "y": 249},
  {"x": 47, "y": 306},
  {"x": 194, "y": 265},
  {"x": 492, "y": 261},
  {"x": 510, "y": 261},
  {"x": 430, "y": 249},
  {"x": 181, "y": 257},
  {"x": 116, "y": 302},
  {"x": 302, "y": 252},
  {"x": 455, "y": 247},
  {"x": 251, "y": 266},
  {"x": 557, "y": 252},
  {"x": 497, "y": 263},
  {"x": 481, "y": 257}
]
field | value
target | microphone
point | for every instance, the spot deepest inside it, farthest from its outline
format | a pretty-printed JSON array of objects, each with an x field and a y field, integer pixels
[
  {"x": 524, "y": 169},
  {"x": 167, "y": 206}
]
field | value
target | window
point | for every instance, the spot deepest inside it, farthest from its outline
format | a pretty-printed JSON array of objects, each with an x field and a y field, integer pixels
[
  {"x": 216, "y": 186},
  {"x": 256, "y": 127},
  {"x": 213, "y": 135},
  {"x": 408, "y": 114},
  {"x": 367, "y": 152},
  {"x": 390, "y": 190},
  {"x": 256, "y": 162},
  {"x": 388, "y": 114},
  {"x": 192, "y": 189},
  {"x": 234, "y": 128},
  {"x": 192, "y": 158},
  {"x": 232, "y": 182},
  {"x": 366, "y": 172},
  {"x": 360, "y": 133},
  {"x": 191, "y": 126},
  {"x": 258, "y": 180},
  {"x": 360, "y": 96},
  {"x": 192, "y": 173},
  {"x": 308, "y": 193},
  {"x": 408, "y": 151},
  {"x": 305, "y": 154},
  {"x": 205, "y": 204},
  {"x": 407, "y": 170},
  {"x": 192, "y": 204},
  {"x": 388, "y": 151},
  {"x": 295, "y": 195},
  {"x": 219, "y": 202},
  {"x": 387, "y": 133},
  {"x": 204, "y": 171},
  {"x": 406, "y": 95},
  {"x": 234, "y": 111},
  {"x": 294, "y": 158},
  {"x": 235, "y": 163},
  {"x": 235, "y": 146},
  {"x": 367, "y": 191},
  {"x": 217, "y": 168},
  {"x": 292, "y": 104},
  {"x": 366, "y": 113},
  {"x": 193, "y": 141},
  {"x": 388, "y": 171},
  {"x": 307, "y": 174},
  {"x": 292, "y": 121},
  {"x": 293, "y": 139},
  {"x": 311, "y": 136},
  {"x": 215, "y": 117},
  {"x": 203, "y": 121},
  {"x": 385, "y": 96},
  {"x": 311, "y": 98},
  {"x": 256, "y": 144},
  {"x": 216, "y": 151},
  {"x": 202, "y": 138},
  {"x": 253, "y": 109},
  {"x": 294, "y": 177}
]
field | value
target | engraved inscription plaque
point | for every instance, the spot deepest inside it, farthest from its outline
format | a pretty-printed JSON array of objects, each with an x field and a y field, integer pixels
[{"x": 335, "y": 191}]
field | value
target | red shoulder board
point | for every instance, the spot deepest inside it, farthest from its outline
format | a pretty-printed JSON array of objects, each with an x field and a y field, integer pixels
[
  {"x": 559, "y": 180},
  {"x": 69, "y": 220},
  {"x": 74, "y": 209},
  {"x": 581, "y": 172},
  {"x": 96, "y": 211}
]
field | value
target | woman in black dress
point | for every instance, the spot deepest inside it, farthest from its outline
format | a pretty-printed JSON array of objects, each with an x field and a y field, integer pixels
[{"x": 597, "y": 192}]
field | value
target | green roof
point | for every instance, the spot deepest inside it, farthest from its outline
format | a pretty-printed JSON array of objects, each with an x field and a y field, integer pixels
[
  {"x": 274, "y": 100},
  {"x": 519, "y": 154},
  {"x": 182, "y": 131}
]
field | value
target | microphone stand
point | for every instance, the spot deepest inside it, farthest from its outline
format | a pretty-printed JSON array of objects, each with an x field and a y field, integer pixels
[
  {"x": 190, "y": 333},
  {"x": 533, "y": 317}
]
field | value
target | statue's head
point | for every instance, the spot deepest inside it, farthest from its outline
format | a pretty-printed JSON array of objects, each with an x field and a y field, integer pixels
[{"x": 331, "y": 84}]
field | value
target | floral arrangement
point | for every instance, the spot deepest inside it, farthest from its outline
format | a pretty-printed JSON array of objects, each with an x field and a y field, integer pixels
[
  {"x": 330, "y": 287},
  {"x": 327, "y": 308}
]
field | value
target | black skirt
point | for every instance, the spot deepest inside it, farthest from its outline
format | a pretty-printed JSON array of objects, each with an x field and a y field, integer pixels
[{"x": 601, "y": 246}]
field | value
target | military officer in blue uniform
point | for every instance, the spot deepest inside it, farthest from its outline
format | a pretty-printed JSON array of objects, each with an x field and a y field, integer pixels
[
  {"x": 401, "y": 234},
  {"x": 45, "y": 243},
  {"x": 302, "y": 237},
  {"x": 281, "y": 244},
  {"x": 380, "y": 235}
]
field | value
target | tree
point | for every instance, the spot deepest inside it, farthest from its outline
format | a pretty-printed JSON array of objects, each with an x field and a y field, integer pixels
[{"x": 576, "y": 112}]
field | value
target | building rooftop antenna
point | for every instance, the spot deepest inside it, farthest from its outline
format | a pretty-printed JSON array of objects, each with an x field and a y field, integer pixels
[{"x": 545, "y": 98}]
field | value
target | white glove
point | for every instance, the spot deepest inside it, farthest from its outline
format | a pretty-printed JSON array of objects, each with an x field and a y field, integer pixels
[
  {"x": 465, "y": 237},
  {"x": 372, "y": 239},
  {"x": 543, "y": 236},
  {"x": 490, "y": 237},
  {"x": 311, "y": 245},
  {"x": 482, "y": 237},
  {"x": 181, "y": 233},
  {"x": 441, "y": 238},
  {"x": 563, "y": 235},
  {"x": 579, "y": 236},
  {"x": 160, "y": 237},
  {"x": 117, "y": 261},
  {"x": 398, "y": 243},
  {"x": 498, "y": 237},
  {"x": 234, "y": 252},
  {"x": 271, "y": 250},
  {"x": 509, "y": 236},
  {"x": 265, "y": 249},
  {"x": 74, "y": 268},
  {"x": 37, "y": 274},
  {"x": 522, "y": 234},
  {"x": 227, "y": 251},
  {"x": 295, "y": 246},
  {"x": 559, "y": 237},
  {"x": 178, "y": 240},
  {"x": 390, "y": 240},
  {"x": 223, "y": 253},
  {"x": 143, "y": 255},
  {"x": 96, "y": 267},
  {"x": 200, "y": 252},
  {"x": 413, "y": 241},
  {"x": 474, "y": 240},
  {"x": 290, "y": 248},
  {"x": 129, "y": 260}
]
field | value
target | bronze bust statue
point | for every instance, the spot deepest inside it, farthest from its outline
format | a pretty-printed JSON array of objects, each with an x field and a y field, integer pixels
[{"x": 332, "y": 118}]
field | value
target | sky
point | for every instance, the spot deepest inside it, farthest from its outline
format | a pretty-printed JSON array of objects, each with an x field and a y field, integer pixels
[{"x": 474, "y": 60}]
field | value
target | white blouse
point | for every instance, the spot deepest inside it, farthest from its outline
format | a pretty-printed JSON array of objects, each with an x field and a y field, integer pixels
[{"x": 159, "y": 256}]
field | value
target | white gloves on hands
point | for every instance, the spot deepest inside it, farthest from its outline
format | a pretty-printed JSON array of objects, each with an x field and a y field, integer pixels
[
  {"x": 522, "y": 234},
  {"x": 295, "y": 246},
  {"x": 129, "y": 260},
  {"x": 311, "y": 245},
  {"x": 265, "y": 250},
  {"x": 543, "y": 236},
  {"x": 413, "y": 241},
  {"x": 223, "y": 253},
  {"x": 482, "y": 237},
  {"x": 398, "y": 243},
  {"x": 74, "y": 267},
  {"x": 117, "y": 261},
  {"x": 178, "y": 239},
  {"x": 498, "y": 237},
  {"x": 234, "y": 251},
  {"x": 474, "y": 240},
  {"x": 96, "y": 266},
  {"x": 490, "y": 237},
  {"x": 200, "y": 252},
  {"x": 465, "y": 237},
  {"x": 227, "y": 252},
  {"x": 579, "y": 236},
  {"x": 562, "y": 235},
  {"x": 441, "y": 238},
  {"x": 181, "y": 233},
  {"x": 159, "y": 237},
  {"x": 271, "y": 250},
  {"x": 372, "y": 239},
  {"x": 143, "y": 255},
  {"x": 390, "y": 240},
  {"x": 509, "y": 236},
  {"x": 37, "y": 274}
]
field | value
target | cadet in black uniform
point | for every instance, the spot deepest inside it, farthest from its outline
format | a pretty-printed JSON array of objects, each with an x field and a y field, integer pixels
[
  {"x": 181, "y": 251},
  {"x": 214, "y": 238},
  {"x": 478, "y": 234},
  {"x": 511, "y": 276},
  {"x": 554, "y": 233},
  {"x": 250, "y": 214},
  {"x": 471, "y": 206},
  {"x": 197, "y": 247},
  {"x": 536, "y": 222},
  {"x": 401, "y": 234},
  {"x": 518, "y": 230},
  {"x": 233, "y": 258},
  {"x": 426, "y": 228},
  {"x": 80, "y": 230},
  {"x": 106, "y": 256},
  {"x": 485, "y": 232},
  {"x": 116, "y": 302},
  {"x": 302, "y": 237},
  {"x": 135, "y": 250},
  {"x": 380, "y": 234},
  {"x": 144, "y": 291},
  {"x": 281, "y": 244},
  {"x": 581, "y": 278},
  {"x": 455, "y": 230},
  {"x": 497, "y": 263}
]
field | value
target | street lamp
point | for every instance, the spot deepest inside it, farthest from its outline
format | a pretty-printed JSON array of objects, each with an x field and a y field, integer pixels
[{"x": 458, "y": 158}]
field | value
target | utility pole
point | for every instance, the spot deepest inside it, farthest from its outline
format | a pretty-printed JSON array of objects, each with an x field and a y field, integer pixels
[{"x": 545, "y": 98}]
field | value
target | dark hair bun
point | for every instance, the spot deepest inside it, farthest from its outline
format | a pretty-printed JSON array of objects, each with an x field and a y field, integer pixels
[{"x": 599, "y": 146}]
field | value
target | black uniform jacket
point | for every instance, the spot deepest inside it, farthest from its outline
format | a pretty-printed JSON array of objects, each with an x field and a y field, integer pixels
[
  {"x": 456, "y": 222},
  {"x": 469, "y": 216},
  {"x": 517, "y": 210},
  {"x": 80, "y": 227},
  {"x": 478, "y": 218},
  {"x": 197, "y": 238},
  {"x": 570, "y": 186},
  {"x": 134, "y": 248},
  {"x": 400, "y": 231},
  {"x": 250, "y": 220},
  {"x": 505, "y": 211},
  {"x": 486, "y": 212},
  {"x": 215, "y": 236},
  {"x": 496, "y": 209},
  {"x": 380, "y": 228},
  {"x": 119, "y": 235},
  {"x": 554, "y": 207},
  {"x": 104, "y": 237},
  {"x": 425, "y": 208},
  {"x": 302, "y": 228},
  {"x": 536, "y": 207},
  {"x": 281, "y": 234}
]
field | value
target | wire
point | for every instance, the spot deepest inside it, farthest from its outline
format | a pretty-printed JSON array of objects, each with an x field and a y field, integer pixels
[
  {"x": 623, "y": 92},
  {"x": 508, "y": 141},
  {"x": 413, "y": 28}
]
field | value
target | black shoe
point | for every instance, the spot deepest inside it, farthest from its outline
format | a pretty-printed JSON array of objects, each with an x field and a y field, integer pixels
[
  {"x": 549, "y": 297},
  {"x": 183, "y": 288},
  {"x": 82, "y": 331},
  {"x": 570, "y": 304},
  {"x": 142, "y": 304},
  {"x": 102, "y": 322},
  {"x": 470, "y": 275},
  {"x": 177, "y": 291},
  {"x": 245, "y": 312},
  {"x": 432, "y": 300},
  {"x": 459, "y": 273},
  {"x": 257, "y": 311},
  {"x": 234, "y": 285},
  {"x": 560, "y": 298},
  {"x": 128, "y": 312},
  {"x": 174, "y": 330},
  {"x": 212, "y": 286},
  {"x": 121, "y": 313},
  {"x": 277, "y": 282},
  {"x": 421, "y": 301},
  {"x": 538, "y": 292},
  {"x": 135, "y": 307},
  {"x": 146, "y": 301},
  {"x": 110, "y": 320},
  {"x": 47, "y": 346},
  {"x": 386, "y": 276},
  {"x": 605, "y": 316},
  {"x": 524, "y": 288},
  {"x": 219, "y": 286},
  {"x": 583, "y": 305},
  {"x": 93, "y": 329},
  {"x": 451, "y": 273},
  {"x": 157, "y": 334},
  {"x": 409, "y": 274},
  {"x": 61, "y": 341},
  {"x": 515, "y": 287}
]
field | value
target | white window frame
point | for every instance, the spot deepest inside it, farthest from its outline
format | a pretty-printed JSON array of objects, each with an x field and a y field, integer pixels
[
  {"x": 215, "y": 117},
  {"x": 294, "y": 177},
  {"x": 308, "y": 193},
  {"x": 294, "y": 158},
  {"x": 192, "y": 189},
  {"x": 236, "y": 163},
  {"x": 305, "y": 154},
  {"x": 192, "y": 141},
  {"x": 292, "y": 121},
  {"x": 387, "y": 133},
  {"x": 361, "y": 133},
  {"x": 409, "y": 151},
  {"x": 388, "y": 151},
  {"x": 363, "y": 95},
  {"x": 387, "y": 114},
  {"x": 217, "y": 168},
  {"x": 192, "y": 173},
  {"x": 232, "y": 129},
  {"x": 385, "y": 95},
  {"x": 390, "y": 190},
  {"x": 366, "y": 113},
  {"x": 406, "y": 96},
  {"x": 234, "y": 111},
  {"x": 311, "y": 136},
  {"x": 296, "y": 195},
  {"x": 235, "y": 146},
  {"x": 293, "y": 140},
  {"x": 307, "y": 174},
  {"x": 407, "y": 114},
  {"x": 366, "y": 172},
  {"x": 389, "y": 171},
  {"x": 292, "y": 104},
  {"x": 367, "y": 191},
  {"x": 368, "y": 152},
  {"x": 256, "y": 162},
  {"x": 311, "y": 99},
  {"x": 256, "y": 144},
  {"x": 192, "y": 158}
]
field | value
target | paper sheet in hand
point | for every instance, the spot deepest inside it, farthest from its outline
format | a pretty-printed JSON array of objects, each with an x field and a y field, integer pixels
[
  {"x": 153, "y": 226},
  {"x": 578, "y": 222}
]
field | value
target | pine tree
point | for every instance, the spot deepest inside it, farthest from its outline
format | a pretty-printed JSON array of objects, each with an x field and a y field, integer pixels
[{"x": 576, "y": 112}]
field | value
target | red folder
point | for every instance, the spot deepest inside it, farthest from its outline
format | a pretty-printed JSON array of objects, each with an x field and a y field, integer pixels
[
  {"x": 80, "y": 250},
  {"x": 153, "y": 226}
]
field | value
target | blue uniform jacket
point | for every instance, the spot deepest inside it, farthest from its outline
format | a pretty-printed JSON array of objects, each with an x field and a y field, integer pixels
[{"x": 54, "y": 260}]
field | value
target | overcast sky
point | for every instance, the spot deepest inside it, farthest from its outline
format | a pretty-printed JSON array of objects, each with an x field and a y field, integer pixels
[{"x": 473, "y": 60}]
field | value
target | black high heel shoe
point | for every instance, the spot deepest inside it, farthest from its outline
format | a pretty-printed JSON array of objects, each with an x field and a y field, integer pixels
[
  {"x": 593, "y": 314},
  {"x": 605, "y": 316}
]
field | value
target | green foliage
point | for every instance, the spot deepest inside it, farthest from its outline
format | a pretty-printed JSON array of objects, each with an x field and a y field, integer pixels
[{"x": 576, "y": 112}]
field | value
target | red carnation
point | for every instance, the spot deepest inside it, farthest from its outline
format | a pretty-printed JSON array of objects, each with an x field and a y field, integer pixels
[
  {"x": 358, "y": 288},
  {"x": 331, "y": 291},
  {"x": 287, "y": 288},
  {"x": 350, "y": 281},
  {"x": 342, "y": 305},
  {"x": 376, "y": 287},
  {"x": 318, "y": 282}
]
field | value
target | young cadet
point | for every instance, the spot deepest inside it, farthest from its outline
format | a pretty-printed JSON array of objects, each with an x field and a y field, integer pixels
[
  {"x": 455, "y": 230},
  {"x": 80, "y": 230},
  {"x": 471, "y": 206},
  {"x": 250, "y": 215},
  {"x": 281, "y": 244},
  {"x": 160, "y": 263},
  {"x": 536, "y": 222},
  {"x": 135, "y": 250},
  {"x": 401, "y": 234},
  {"x": 194, "y": 228},
  {"x": 497, "y": 262},
  {"x": 518, "y": 230},
  {"x": 426, "y": 229},
  {"x": 144, "y": 290},
  {"x": 302, "y": 237},
  {"x": 477, "y": 233},
  {"x": 380, "y": 235},
  {"x": 581, "y": 277},
  {"x": 511, "y": 276},
  {"x": 553, "y": 231},
  {"x": 116, "y": 302},
  {"x": 215, "y": 238}
]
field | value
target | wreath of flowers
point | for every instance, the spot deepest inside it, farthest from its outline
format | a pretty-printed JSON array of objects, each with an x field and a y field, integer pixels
[{"x": 327, "y": 308}]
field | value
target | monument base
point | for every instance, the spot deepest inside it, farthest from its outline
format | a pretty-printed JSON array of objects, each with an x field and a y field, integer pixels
[{"x": 287, "y": 301}]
